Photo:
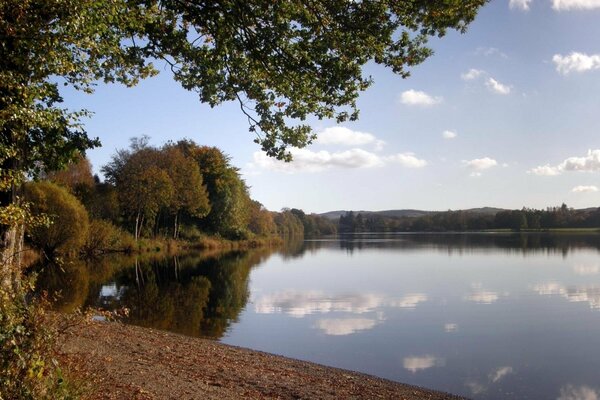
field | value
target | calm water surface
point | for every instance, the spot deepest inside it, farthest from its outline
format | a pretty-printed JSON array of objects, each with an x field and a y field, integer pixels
[{"x": 488, "y": 316}]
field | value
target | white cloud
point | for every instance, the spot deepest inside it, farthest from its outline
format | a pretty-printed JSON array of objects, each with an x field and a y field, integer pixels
[
  {"x": 450, "y": 328},
  {"x": 418, "y": 98},
  {"x": 479, "y": 164},
  {"x": 520, "y": 4},
  {"x": 576, "y": 62},
  {"x": 561, "y": 5},
  {"x": 571, "y": 392},
  {"x": 497, "y": 87},
  {"x": 305, "y": 160},
  {"x": 415, "y": 364},
  {"x": 408, "y": 160},
  {"x": 588, "y": 163},
  {"x": 347, "y": 137},
  {"x": 490, "y": 51},
  {"x": 472, "y": 74},
  {"x": 449, "y": 134},
  {"x": 500, "y": 373},
  {"x": 312, "y": 161},
  {"x": 544, "y": 170},
  {"x": 345, "y": 326},
  {"x": 584, "y": 189}
]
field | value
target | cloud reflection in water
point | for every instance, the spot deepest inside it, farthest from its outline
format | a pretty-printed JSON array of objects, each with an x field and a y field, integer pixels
[
  {"x": 483, "y": 297},
  {"x": 571, "y": 392},
  {"x": 345, "y": 326},
  {"x": 302, "y": 303},
  {"x": 574, "y": 294},
  {"x": 418, "y": 363}
]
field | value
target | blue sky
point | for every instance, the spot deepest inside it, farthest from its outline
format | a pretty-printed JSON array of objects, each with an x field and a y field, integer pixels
[{"x": 506, "y": 115}]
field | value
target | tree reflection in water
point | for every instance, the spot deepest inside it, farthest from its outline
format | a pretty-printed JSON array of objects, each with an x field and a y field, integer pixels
[
  {"x": 194, "y": 294},
  {"x": 201, "y": 294}
]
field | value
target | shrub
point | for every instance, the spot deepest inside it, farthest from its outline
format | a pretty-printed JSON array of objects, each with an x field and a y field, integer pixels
[
  {"x": 27, "y": 367},
  {"x": 104, "y": 237},
  {"x": 67, "y": 231}
]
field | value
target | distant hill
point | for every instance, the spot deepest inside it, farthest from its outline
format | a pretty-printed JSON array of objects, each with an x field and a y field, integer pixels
[{"x": 407, "y": 212}]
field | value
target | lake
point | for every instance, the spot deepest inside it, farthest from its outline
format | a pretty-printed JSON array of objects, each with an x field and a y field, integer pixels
[{"x": 487, "y": 316}]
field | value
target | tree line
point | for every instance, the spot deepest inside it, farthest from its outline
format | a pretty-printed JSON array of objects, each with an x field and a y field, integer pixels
[
  {"x": 515, "y": 220},
  {"x": 180, "y": 190}
]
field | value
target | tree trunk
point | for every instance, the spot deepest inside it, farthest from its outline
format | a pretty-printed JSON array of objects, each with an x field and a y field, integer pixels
[
  {"x": 176, "y": 226},
  {"x": 137, "y": 226},
  {"x": 12, "y": 243},
  {"x": 10, "y": 269}
]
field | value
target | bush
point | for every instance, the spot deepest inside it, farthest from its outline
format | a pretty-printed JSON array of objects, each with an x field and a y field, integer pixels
[
  {"x": 68, "y": 229},
  {"x": 27, "y": 368},
  {"x": 104, "y": 237}
]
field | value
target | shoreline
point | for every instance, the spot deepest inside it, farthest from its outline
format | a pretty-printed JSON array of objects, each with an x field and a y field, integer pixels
[{"x": 117, "y": 361}]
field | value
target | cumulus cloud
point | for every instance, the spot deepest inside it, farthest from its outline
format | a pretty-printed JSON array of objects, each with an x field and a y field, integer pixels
[
  {"x": 344, "y": 326},
  {"x": 449, "y": 134},
  {"x": 408, "y": 160},
  {"x": 480, "y": 164},
  {"x": 588, "y": 163},
  {"x": 305, "y": 160},
  {"x": 492, "y": 84},
  {"x": 565, "y": 5},
  {"x": 418, "y": 98},
  {"x": 544, "y": 170},
  {"x": 472, "y": 74},
  {"x": 570, "y": 392},
  {"x": 450, "y": 328},
  {"x": 584, "y": 189},
  {"x": 497, "y": 87},
  {"x": 415, "y": 364},
  {"x": 347, "y": 137},
  {"x": 576, "y": 62},
  {"x": 313, "y": 161},
  {"x": 520, "y": 4}
]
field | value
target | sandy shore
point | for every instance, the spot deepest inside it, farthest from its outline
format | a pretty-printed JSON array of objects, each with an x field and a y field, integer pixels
[{"x": 126, "y": 362}]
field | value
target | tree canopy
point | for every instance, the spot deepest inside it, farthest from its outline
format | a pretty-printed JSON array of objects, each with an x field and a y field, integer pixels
[{"x": 281, "y": 60}]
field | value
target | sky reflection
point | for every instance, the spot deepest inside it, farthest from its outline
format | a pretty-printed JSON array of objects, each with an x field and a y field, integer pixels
[{"x": 485, "y": 318}]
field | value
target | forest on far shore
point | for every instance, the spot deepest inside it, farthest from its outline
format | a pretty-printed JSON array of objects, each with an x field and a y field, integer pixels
[
  {"x": 526, "y": 219},
  {"x": 182, "y": 191}
]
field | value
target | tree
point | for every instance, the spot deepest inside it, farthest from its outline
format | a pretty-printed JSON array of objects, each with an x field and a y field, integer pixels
[
  {"x": 143, "y": 188},
  {"x": 69, "y": 222},
  {"x": 189, "y": 192},
  {"x": 281, "y": 60},
  {"x": 261, "y": 220},
  {"x": 228, "y": 194}
]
